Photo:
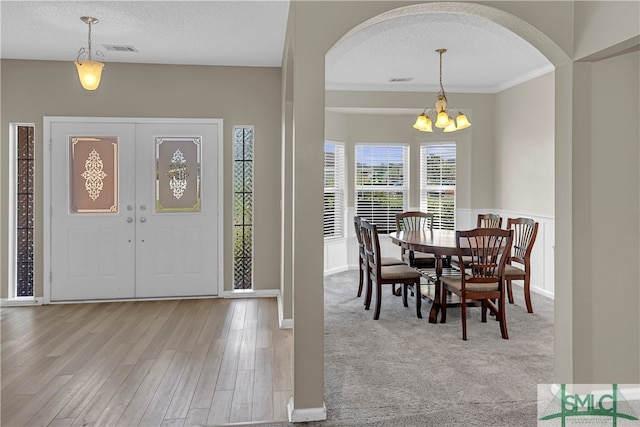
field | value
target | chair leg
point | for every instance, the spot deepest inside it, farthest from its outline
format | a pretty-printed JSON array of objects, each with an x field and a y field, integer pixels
[
  {"x": 463, "y": 316},
  {"x": 509, "y": 291},
  {"x": 503, "y": 319},
  {"x": 418, "y": 300},
  {"x": 484, "y": 311},
  {"x": 367, "y": 298},
  {"x": 376, "y": 314},
  {"x": 527, "y": 292},
  {"x": 360, "y": 282},
  {"x": 405, "y": 291},
  {"x": 443, "y": 303}
]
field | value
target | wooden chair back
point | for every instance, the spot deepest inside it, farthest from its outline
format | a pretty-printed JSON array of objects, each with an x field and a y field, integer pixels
[
  {"x": 525, "y": 231},
  {"x": 489, "y": 220},
  {"x": 485, "y": 249},
  {"x": 414, "y": 220}
]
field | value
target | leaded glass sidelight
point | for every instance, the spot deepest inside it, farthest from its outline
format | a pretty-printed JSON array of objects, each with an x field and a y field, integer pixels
[
  {"x": 242, "y": 207},
  {"x": 178, "y": 168},
  {"x": 94, "y": 174},
  {"x": 25, "y": 169}
]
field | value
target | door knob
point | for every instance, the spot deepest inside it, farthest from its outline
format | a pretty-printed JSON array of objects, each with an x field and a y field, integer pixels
[
  {"x": 129, "y": 220},
  {"x": 143, "y": 219},
  {"x": 143, "y": 207}
]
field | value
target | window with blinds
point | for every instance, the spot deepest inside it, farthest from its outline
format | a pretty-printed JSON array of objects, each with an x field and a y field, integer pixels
[
  {"x": 381, "y": 183},
  {"x": 438, "y": 183},
  {"x": 333, "y": 190}
]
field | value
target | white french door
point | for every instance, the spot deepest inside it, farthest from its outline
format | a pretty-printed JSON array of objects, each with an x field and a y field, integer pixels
[{"x": 134, "y": 208}]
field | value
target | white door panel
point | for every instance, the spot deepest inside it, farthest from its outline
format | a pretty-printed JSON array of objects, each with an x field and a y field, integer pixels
[
  {"x": 91, "y": 252},
  {"x": 161, "y": 238},
  {"x": 180, "y": 246}
]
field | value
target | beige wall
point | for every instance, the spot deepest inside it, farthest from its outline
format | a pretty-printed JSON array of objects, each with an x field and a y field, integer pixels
[
  {"x": 551, "y": 29},
  {"x": 524, "y": 146},
  {"x": 615, "y": 219},
  {"x": 240, "y": 96}
]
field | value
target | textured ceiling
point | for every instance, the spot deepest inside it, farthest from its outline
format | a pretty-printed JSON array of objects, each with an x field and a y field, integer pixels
[{"x": 481, "y": 57}]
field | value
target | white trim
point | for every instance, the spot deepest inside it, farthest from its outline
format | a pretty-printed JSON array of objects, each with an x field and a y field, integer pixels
[
  {"x": 20, "y": 302},
  {"x": 307, "y": 414},
  {"x": 282, "y": 322},
  {"x": 47, "y": 121},
  {"x": 340, "y": 269},
  {"x": 250, "y": 293}
]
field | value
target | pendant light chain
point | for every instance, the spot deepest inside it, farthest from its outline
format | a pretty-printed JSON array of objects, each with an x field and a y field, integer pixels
[{"x": 444, "y": 95}]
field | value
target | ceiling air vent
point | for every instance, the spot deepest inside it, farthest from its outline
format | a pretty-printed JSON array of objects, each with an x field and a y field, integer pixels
[
  {"x": 400, "y": 79},
  {"x": 119, "y": 48}
]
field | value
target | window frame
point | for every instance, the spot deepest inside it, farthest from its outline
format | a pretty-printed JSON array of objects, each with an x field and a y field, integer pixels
[
  {"x": 338, "y": 190},
  {"x": 384, "y": 220},
  {"x": 12, "y": 271},
  {"x": 442, "y": 188},
  {"x": 250, "y": 259}
]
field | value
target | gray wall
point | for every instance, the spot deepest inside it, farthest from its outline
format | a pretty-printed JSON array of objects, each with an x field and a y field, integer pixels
[
  {"x": 524, "y": 146},
  {"x": 238, "y": 95},
  {"x": 556, "y": 30}
]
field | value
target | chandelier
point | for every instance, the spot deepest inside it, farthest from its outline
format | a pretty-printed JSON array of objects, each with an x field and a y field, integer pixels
[
  {"x": 89, "y": 71},
  {"x": 440, "y": 114}
]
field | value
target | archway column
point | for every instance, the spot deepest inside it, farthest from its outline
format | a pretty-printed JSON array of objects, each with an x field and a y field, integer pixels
[{"x": 306, "y": 91}]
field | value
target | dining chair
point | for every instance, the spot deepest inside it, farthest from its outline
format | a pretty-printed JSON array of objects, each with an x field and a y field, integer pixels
[
  {"x": 483, "y": 279},
  {"x": 489, "y": 220},
  {"x": 378, "y": 275},
  {"x": 416, "y": 220},
  {"x": 362, "y": 256},
  {"x": 525, "y": 231}
]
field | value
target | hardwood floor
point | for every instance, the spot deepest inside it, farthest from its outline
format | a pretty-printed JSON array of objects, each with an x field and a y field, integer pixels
[{"x": 153, "y": 363}]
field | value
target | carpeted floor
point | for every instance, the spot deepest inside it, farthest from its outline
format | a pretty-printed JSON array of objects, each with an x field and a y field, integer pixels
[{"x": 404, "y": 371}]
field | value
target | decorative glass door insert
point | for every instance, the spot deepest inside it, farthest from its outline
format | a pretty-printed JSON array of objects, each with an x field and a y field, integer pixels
[
  {"x": 178, "y": 174},
  {"x": 94, "y": 174}
]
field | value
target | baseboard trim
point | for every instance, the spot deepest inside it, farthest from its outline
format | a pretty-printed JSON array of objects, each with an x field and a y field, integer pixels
[
  {"x": 520, "y": 284},
  {"x": 336, "y": 270},
  {"x": 250, "y": 293},
  {"x": 307, "y": 414},
  {"x": 20, "y": 302},
  {"x": 282, "y": 322}
]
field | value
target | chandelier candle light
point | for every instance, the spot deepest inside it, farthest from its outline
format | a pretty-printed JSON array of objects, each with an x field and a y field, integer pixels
[
  {"x": 441, "y": 115},
  {"x": 89, "y": 71}
]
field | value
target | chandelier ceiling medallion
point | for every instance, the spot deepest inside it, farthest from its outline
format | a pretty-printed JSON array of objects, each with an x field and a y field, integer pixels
[
  {"x": 440, "y": 114},
  {"x": 89, "y": 71}
]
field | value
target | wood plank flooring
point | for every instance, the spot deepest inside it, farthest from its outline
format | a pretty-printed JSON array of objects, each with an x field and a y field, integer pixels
[{"x": 180, "y": 363}]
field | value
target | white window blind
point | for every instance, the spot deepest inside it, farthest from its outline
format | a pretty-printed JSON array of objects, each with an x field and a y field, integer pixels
[
  {"x": 333, "y": 189},
  {"x": 438, "y": 183},
  {"x": 381, "y": 183}
]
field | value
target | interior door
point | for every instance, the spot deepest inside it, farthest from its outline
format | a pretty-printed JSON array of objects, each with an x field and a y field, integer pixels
[
  {"x": 93, "y": 246},
  {"x": 134, "y": 209},
  {"x": 177, "y": 209}
]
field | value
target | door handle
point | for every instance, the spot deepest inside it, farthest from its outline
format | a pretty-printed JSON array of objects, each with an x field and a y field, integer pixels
[
  {"x": 129, "y": 219},
  {"x": 143, "y": 219},
  {"x": 143, "y": 207}
]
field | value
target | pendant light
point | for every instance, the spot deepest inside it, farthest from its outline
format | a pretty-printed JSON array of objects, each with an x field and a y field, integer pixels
[
  {"x": 440, "y": 115},
  {"x": 89, "y": 71}
]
